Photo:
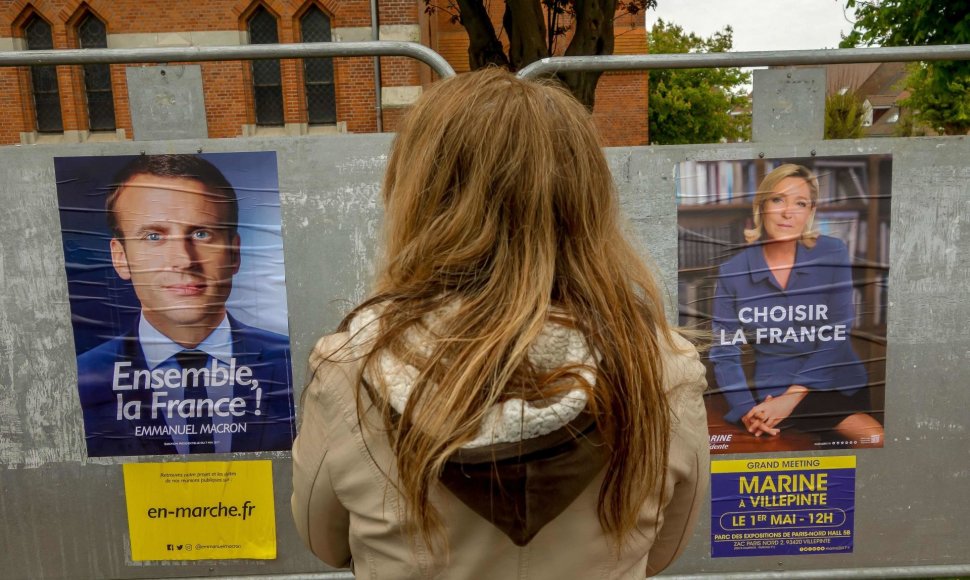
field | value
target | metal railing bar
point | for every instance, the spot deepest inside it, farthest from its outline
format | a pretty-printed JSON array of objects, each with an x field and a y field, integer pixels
[
  {"x": 629, "y": 62},
  {"x": 442, "y": 68},
  {"x": 873, "y": 573},
  {"x": 241, "y": 52},
  {"x": 926, "y": 571}
]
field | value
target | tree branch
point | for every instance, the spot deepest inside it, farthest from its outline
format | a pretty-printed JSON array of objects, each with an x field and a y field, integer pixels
[
  {"x": 431, "y": 8},
  {"x": 484, "y": 48}
]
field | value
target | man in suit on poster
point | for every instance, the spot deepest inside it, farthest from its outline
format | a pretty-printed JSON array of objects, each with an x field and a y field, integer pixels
[{"x": 188, "y": 377}]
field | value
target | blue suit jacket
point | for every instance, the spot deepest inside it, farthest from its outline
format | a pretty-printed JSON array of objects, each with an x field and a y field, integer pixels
[
  {"x": 266, "y": 353},
  {"x": 821, "y": 275}
]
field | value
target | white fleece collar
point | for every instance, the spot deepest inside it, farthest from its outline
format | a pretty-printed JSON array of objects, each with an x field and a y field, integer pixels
[{"x": 510, "y": 421}]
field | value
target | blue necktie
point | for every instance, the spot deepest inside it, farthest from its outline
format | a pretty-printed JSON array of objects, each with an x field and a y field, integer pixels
[{"x": 199, "y": 442}]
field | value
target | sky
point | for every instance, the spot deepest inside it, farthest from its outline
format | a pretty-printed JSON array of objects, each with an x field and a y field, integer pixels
[{"x": 761, "y": 24}]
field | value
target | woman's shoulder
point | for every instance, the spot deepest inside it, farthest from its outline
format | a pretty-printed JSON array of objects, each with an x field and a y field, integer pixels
[
  {"x": 740, "y": 261},
  {"x": 684, "y": 373},
  {"x": 828, "y": 251},
  {"x": 828, "y": 244},
  {"x": 334, "y": 366},
  {"x": 331, "y": 347},
  {"x": 685, "y": 380}
]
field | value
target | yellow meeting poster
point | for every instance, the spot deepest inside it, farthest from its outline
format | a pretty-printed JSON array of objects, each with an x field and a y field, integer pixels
[{"x": 201, "y": 510}]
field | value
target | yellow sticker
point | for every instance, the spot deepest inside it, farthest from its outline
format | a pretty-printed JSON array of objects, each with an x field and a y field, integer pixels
[
  {"x": 201, "y": 510},
  {"x": 783, "y": 464}
]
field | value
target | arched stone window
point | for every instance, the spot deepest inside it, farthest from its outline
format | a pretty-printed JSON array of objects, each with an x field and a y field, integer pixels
[
  {"x": 91, "y": 33},
  {"x": 267, "y": 82},
  {"x": 321, "y": 101},
  {"x": 43, "y": 79}
]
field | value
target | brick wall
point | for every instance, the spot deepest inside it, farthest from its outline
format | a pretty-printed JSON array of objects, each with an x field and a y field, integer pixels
[
  {"x": 226, "y": 85},
  {"x": 620, "y": 111},
  {"x": 392, "y": 118},
  {"x": 12, "y": 117},
  {"x": 228, "y": 97},
  {"x": 621, "y": 99},
  {"x": 355, "y": 94}
]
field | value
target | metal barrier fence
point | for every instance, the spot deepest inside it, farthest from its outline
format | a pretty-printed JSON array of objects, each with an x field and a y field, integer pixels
[
  {"x": 338, "y": 177},
  {"x": 214, "y": 53},
  {"x": 442, "y": 68},
  {"x": 629, "y": 62}
]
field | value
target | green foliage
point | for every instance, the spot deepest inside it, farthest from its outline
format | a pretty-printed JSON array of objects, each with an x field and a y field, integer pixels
[
  {"x": 908, "y": 23},
  {"x": 908, "y": 127},
  {"x": 939, "y": 91},
  {"x": 939, "y": 98},
  {"x": 695, "y": 105},
  {"x": 843, "y": 117}
]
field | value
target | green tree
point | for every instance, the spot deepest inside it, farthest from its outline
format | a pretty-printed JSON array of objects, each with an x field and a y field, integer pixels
[
  {"x": 939, "y": 91},
  {"x": 843, "y": 116},
  {"x": 695, "y": 105},
  {"x": 537, "y": 29},
  {"x": 907, "y": 127}
]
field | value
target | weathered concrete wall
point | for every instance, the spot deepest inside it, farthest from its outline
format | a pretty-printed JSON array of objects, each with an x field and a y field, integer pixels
[
  {"x": 64, "y": 514},
  {"x": 788, "y": 104},
  {"x": 166, "y": 102}
]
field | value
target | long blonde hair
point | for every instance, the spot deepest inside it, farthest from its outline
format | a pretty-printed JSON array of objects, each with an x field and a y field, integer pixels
[{"x": 499, "y": 203}]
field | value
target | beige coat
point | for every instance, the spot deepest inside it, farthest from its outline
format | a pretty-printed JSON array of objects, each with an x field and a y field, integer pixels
[{"x": 344, "y": 506}]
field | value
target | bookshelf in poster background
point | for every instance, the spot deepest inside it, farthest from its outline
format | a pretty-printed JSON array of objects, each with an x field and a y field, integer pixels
[
  {"x": 735, "y": 182},
  {"x": 729, "y": 186},
  {"x": 702, "y": 247},
  {"x": 708, "y": 182}
]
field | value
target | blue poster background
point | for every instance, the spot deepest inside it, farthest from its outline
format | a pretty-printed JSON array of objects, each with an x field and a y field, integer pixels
[
  {"x": 103, "y": 305},
  {"x": 789, "y": 506},
  {"x": 137, "y": 404}
]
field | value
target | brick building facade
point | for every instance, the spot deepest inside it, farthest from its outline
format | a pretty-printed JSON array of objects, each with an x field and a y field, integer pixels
[{"x": 289, "y": 97}]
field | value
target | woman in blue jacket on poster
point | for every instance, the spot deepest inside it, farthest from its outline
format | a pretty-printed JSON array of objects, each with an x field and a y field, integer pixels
[{"x": 788, "y": 294}]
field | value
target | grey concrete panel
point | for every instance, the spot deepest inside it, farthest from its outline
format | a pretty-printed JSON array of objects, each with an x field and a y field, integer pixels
[
  {"x": 166, "y": 102},
  {"x": 64, "y": 514},
  {"x": 788, "y": 105},
  {"x": 50, "y": 492},
  {"x": 38, "y": 419},
  {"x": 910, "y": 510}
]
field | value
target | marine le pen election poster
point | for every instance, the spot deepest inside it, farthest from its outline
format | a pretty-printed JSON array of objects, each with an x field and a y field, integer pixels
[
  {"x": 784, "y": 265},
  {"x": 788, "y": 506}
]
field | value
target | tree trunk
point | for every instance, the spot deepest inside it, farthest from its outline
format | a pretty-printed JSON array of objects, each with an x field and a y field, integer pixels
[
  {"x": 484, "y": 48},
  {"x": 525, "y": 24},
  {"x": 593, "y": 36}
]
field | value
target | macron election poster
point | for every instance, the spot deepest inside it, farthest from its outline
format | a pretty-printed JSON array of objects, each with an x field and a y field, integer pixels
[
  {"x": 784, "y": 265},
  {"x": 201, "y": 510},
  {"x": 178, "y": 305},
  {"x": 789, "y": 506}
]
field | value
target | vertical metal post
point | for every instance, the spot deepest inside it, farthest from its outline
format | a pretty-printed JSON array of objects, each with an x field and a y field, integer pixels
[{"x": 375, "y": 26}]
